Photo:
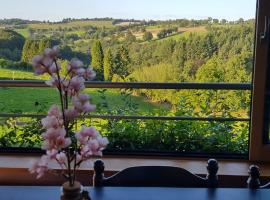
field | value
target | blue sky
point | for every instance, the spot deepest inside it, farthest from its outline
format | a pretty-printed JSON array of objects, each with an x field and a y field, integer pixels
[{"x": 55, "y": 10}]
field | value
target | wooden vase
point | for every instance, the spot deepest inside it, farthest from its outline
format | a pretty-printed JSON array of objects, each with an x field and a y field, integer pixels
[{"x": 71, "y": 192}]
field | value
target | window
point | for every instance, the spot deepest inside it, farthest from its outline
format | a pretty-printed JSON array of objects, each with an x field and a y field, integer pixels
[
  {"x": 259, "y": 147},
  {"x": 200, "y": 106}
]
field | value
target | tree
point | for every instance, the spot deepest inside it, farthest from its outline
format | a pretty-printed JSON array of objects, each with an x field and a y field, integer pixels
[
  {"x": 147, "y": 36},
  {"x": 130, "y": 37},
  {"x": 26, "y": 47},
  {"x": 43, "y": 44},
  {"x": 97, "y": 59},
  {"x": 108, "y": 65},
  {"x": 121, "y": 61}
]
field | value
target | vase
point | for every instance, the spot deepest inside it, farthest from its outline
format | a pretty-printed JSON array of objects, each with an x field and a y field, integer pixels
[{"x": 71, "y": 192}]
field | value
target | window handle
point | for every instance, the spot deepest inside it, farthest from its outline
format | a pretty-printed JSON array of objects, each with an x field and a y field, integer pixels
[{"x": 265, "y": 34}]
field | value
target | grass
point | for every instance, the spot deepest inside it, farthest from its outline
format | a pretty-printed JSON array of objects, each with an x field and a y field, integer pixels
[
  {"x": 33, "y": 100},
  {"x": 20, "y": 75},
  {"x": 73, "y": 24},
  {"x": 38, "y": 100}
]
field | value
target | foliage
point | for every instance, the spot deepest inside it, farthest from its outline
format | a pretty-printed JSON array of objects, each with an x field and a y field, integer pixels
[
  {"x": 147, "y": 36},
  {"x": 97, "y": 59},
  {"x": 108, "y": 65}
]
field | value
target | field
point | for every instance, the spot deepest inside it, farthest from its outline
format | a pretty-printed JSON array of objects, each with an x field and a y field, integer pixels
[
  {"x": 39, "y": 99},
  {"x": 73, "y": 24}
]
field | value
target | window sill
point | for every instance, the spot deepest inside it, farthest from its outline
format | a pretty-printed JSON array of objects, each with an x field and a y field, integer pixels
[{"x": 232, "y": 173}]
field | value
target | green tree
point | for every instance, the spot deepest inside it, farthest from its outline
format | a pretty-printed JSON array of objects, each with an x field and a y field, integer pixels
[
  {"x": 121, "y": 61},
  {"x": 97, "y": 59},
  {"x": 108, "y": 65},
  {"x": 147, "y": 36},
  {"x": 130, "y": 37},
  {"x": 26, "y": 47},
  {"x": 43, "y": 44}
]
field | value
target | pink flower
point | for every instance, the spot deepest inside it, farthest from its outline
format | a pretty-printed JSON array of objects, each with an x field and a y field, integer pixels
[
  {"x": 90, "y": 132},
  {"x": 82, "y": 104},
  {"x": 80, "y": 72},
  {"x": 71, "y": 114},
  {"x": 62, "y": 142},
  {"x": 76, "y": 84},
  {"x": 47, "y": 62},
  {"x": 54, "y": 111},
  {"x": 78, "y": 157},
  {"x": 89, "y": 73},
  {"x": 53, "y": 82},
  {"x": 87, "y": 107},
  {"x": 52, "y": 153},
  {"x": 39, "y": 167},
  {"x": 52, "y": 53},
  {"x": 83, "y": 98},
  {"x": 53, "y": 69},
  {"x": 50, "y": 122},
  {"x": 103, "y": 141},
  {"x": 61, "y": 158},
  {"x": 38, "y": 65}
]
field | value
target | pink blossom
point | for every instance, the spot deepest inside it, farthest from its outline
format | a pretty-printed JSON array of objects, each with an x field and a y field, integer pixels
[
  {"x": 82, "y": 139},
  {"x": 61, "y": 158},
  {"x": 87, "y": 107},
  {"x": 86, "y": 151},
  {"x": 93, "y": 145},
  {"x": 75, "y": 64},
  {"x": 80, "y": 72},
  {"x": 54, "y": 111},
  {"x": 103, "y": 141},
  {"x": 38, "y": 65},
  {"x": 47, "y": 62},
  {"x": 53, "y": 133},
  {"x": 89, "y": 131},
  {"x": 52, "y": 153},
  {"x": 52, "y": 53},
  {"x": 76, "y": 85},
  {"x": 71, "y": 114},
  {"x": 89, "y": 73},
  {"x": 39, "y": 167},
  {"x": 83, "y": 98},
  {"x": 62, "y": 142},
  {"x": 78, "y": 157},
  {"x": 53, "y": 82},
  {"x": 50, "y": 122},
  {"x": 82, "y": 104},
  {"x": 53, "y": 68}
]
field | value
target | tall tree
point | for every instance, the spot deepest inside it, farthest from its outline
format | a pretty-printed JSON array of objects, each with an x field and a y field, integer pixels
[
  {"x": 108, "y": 65},
  {"x": 25, "y": 50},
  {"x": 97, "y": 59},
  {"x": 147, "y": 36},
  {"x": 122, "y": 61}
]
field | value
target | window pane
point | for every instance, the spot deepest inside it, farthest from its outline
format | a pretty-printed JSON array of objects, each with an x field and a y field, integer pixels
[{"x": 149, "y": 41}]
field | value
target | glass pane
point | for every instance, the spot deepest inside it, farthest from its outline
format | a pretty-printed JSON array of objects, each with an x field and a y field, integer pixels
[{"x": 168, "y": 41}]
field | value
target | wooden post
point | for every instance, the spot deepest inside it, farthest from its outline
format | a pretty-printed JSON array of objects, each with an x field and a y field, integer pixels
[
  {"x": 212, "y": 168},
  {"x": 98, "y": 173},
  {"x": 253, "y": 181}
]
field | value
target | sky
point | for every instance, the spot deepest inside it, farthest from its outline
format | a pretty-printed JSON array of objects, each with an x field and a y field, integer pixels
[{"x": 56, "y": 10}]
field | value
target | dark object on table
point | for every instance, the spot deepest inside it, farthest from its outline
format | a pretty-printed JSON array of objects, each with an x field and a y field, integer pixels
[
  {"x": 156, "y": 176},
  {"x": 253, "y": 181},
  {"x": 85, "y": 195}
]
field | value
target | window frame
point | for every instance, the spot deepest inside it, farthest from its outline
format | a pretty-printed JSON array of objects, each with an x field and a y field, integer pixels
[{"x": 258, "y": 149}]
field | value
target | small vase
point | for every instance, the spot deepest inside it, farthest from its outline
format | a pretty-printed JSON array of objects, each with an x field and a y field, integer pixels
[{"x": 71, "y": 192}]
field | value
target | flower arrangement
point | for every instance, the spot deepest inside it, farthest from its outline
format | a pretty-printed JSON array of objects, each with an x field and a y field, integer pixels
[{"x": 62, "y": 145}]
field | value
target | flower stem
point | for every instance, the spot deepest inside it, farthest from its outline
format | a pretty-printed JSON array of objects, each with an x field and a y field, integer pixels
[{"x": 63, "y": 103}]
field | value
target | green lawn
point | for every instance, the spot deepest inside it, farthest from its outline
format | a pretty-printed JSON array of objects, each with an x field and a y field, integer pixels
[
  {"x": 38, "y": 100},
  {"x": 17, "y": 74}
]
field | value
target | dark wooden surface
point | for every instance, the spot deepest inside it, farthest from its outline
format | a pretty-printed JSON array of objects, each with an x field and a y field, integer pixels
[{"x": 136, "y": 193}]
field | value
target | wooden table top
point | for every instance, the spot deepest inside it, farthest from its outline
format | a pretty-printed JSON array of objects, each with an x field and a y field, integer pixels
[{"x": 135, "y": 193}]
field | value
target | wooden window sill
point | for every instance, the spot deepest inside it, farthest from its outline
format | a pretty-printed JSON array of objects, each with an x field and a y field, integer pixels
[{"x": 232, "y": 173}]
